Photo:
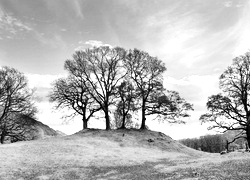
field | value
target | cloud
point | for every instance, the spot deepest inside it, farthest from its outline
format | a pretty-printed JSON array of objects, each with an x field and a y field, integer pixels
[
  {"x": 42, "y": 85},
  {"x": 63, "y": 30},
  {"x": 77, "y": 8},
  {"x": 12, "y": 26},
  {"x": 243, "y": 36},
  {"x": 195, "y": 88},
  {"x": 228, "y": 4},
  {"x": 90, "y": 44},
  {"x": 42, "y": 80},
  {"x": 53, "y": 41},
  {"x": 95, "y": 43}
]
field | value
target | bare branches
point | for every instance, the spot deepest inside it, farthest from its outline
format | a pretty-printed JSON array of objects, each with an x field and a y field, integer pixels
[
  {"x": 146, "y": 72},
  {"x": 15, "y": 99},
  {"x": 231, "y": 110},
  {"x": 99, "y": 70}
]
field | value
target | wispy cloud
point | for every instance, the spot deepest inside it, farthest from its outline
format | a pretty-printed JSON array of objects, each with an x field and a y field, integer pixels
[
  {"x": 242, "y": 32},
  {"x": 11, "y": 26},
  {"x": 53, "y": 41},
  {"x": 77, "y": 7}
]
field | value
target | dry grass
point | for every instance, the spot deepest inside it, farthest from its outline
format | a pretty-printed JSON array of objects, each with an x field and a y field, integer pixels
[{"x": 116, "y": 155}]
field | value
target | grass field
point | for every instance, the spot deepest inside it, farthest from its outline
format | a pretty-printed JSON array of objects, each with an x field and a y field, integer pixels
[{"x": 97, "y": 154}]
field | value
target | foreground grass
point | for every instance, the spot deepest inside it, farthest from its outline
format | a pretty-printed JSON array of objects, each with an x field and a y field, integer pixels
[{"x": 103, "y": 156}]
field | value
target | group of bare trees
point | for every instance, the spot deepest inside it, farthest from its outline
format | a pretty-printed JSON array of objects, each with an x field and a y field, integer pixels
[{"x": 115, "y": 80}]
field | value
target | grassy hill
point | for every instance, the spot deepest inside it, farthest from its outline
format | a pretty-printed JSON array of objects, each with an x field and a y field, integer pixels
[
  {"x": 36, "y": 130},
  {"x": 116, "y": 154}
]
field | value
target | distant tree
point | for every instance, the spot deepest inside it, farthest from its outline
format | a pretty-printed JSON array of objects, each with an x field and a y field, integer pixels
[
  {"x": 127, "y": 96},
  {"x": 146, "y": 72},
  {"x": 230, "y": 110},
  {"x": 208, "y": 143},
  {"x": 72, "y": 93},
  {"x": 102, "y": 70},
  {"x": 15, "y": 100}
]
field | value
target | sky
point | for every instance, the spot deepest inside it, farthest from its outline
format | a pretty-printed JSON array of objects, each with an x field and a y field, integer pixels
[{"x": 196, "y": 40}]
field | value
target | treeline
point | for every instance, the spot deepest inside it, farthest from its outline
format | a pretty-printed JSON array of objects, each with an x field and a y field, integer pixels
[{"x": 215, "y": 143}]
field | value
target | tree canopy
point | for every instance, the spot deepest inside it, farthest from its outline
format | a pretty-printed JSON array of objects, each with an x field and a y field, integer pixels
[
  {"x": 147, "y": 75},
  {"x": 108, "y": 79},
  {"x": 15, "y": 100},
  {"x": 230, "y": 109},
  {"x": 71, "y": 93}
]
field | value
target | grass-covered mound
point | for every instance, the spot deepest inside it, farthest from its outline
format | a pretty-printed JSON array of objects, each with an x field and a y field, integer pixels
[
  {"x": 116, "y": 154},
  {"x": 31, "y": 130}
]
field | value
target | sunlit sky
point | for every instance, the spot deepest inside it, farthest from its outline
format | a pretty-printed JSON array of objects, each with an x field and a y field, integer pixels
[{"x": 197, "y": 40}]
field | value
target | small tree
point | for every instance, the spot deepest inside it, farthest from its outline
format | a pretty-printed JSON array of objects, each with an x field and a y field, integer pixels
[
  {"x": 127, "y": 95},
  {"x": 15, "y": 99},
  {"x": 72, "y": 93},
  {"x": 230, "y": 110},
  {"x": 102, "y": 70}
]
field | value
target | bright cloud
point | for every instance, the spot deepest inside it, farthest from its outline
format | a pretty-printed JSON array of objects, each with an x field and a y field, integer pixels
[
  {"x": 194, "y": 88},
  {"x": 90, "y": 44},
  {"x": 243, "y": 38},
  {"x": 42, "y": 85},
  {"x": 42, "y": 80},
  {"x": 95, "y": 43}
]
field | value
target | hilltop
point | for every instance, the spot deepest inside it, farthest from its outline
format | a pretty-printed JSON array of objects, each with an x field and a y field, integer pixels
[{"x": 115, "y": 154}]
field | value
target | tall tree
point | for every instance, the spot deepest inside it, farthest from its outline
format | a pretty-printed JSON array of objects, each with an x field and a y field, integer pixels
[
  {"x": 15, "y": 99},
  {"x": 72, "y": 93},
  {"x": 230, "y": 110},
  {"x": 146, "y": 72},
  {"x": 102, "y": 70}
]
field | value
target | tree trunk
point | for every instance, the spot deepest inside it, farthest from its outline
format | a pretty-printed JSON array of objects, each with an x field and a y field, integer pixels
[
  {"x": 2, "y": 138},
  {"x": 248, "y": 134},
  {"x": 227, "y": 145},
  {"x": 123, "y": 122},
  {"x": 107, "y": 119},
  {"x": 85, "y": 123},
  {"x": 143, "y": 121}
]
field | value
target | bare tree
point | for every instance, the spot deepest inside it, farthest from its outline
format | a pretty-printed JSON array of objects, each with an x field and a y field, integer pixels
[
  {"x": 230, "y": 110},
  {"x": 146, "y": 72},
  {"x": 102, "y": 70},
  {"x": 15, "y": 99},
  {"x": 72, "y": 93}
]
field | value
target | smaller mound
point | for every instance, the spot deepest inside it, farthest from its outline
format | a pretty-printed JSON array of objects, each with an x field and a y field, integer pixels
[
  {"x": 32, "y": 130},
  {"x": 139, "y": 138}
]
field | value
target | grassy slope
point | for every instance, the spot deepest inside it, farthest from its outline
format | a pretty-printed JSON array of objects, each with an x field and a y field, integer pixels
[{"x": 97, "y": 154}]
